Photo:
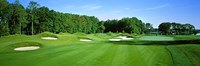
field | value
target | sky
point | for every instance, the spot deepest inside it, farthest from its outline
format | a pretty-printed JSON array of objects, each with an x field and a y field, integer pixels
[{"x": 149, "y": 11}]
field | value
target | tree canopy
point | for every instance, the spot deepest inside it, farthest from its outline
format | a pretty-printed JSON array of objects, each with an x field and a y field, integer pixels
[
  {"x": 167, "y": 28},
  {"x": 15, "y": 19},
  {"x": 128, "y": 25},
  {"x": 34, "y": 19}
]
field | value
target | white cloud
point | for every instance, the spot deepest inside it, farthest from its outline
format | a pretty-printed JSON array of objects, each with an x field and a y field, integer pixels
[
  {"x": 116, "y": 11},
  {"x": 108, "y": 16},
  {"x": 126, "y": 8},
  {"x": 84, "y": 7},
  {"x": 90, "y": 7},
  {"x": 157, "y": 7}
]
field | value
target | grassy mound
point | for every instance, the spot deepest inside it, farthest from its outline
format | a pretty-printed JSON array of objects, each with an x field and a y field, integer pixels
[
  {"x": 47, "y": 34},
  {"x": 61, "y": 33},
  {"x": 85, "y": 38},
  {"x": 126, "y": 34},
  {"x": 9, "y": 48},
  {"x": 102, "y": 36},
  {"x": 23, "y": 44},
  {"x": 112, "y": 34},
  {"x": 80, "y": 34}
]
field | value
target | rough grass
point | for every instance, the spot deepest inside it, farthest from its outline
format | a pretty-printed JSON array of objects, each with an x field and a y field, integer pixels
[{"x": 69, "y": 51}]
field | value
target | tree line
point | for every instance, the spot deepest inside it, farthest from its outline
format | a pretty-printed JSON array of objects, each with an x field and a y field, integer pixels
[
  {"x": 34, "y": 19},
  {"x": 15, "y": 19},
  {"x": 167, "y": 28},
  {"x": 128, "y": 25}
]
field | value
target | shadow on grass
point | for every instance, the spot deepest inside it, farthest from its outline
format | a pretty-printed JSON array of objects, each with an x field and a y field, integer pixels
[{"x": 176, "y": 42}]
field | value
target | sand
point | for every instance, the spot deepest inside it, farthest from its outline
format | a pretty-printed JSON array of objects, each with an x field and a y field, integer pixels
[
  {"x": 85, "y": 40},
  {"x": 114, "y": 39},
  {"x": 119, "y": 38},
  {"x": 27, "y": 48},
  {"x": 49, "y": 38},
  {"x": 124, "y": 38}
]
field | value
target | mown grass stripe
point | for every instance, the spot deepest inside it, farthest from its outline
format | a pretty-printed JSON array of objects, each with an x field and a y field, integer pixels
[
  {"x": 193, "y": 53},
  {"x": 154, "y": 55},
  {"x": 170, "y": 53},
  {"x": 135, "y": 56},
  {"x": 121, "y": 57},
  {"x": 187, "y": 54},
  {"x": 91, "y": 58},
  {"x": 43, "y": 56},
  {"x": 72, "y": 57},
  {"x": 179, "y": 58},
  {"x": 146, "y": 53},
  {"x": 62, "y": 49},
  {"x": 107, "y": 58}
]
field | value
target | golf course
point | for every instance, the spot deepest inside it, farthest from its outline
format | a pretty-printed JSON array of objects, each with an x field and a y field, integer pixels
[
  {"x": 72, "y": 50},
  {"x": 99, "y": 33}
]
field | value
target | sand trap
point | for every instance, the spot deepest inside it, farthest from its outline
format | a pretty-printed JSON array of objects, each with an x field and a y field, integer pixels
[
  {"x": 49, "y": 38},
  {"x": 127, "y": 38},
  {"x": 85, "y": 40},
  {"x": 124, "y": 38},
  {"x": 27, "y": 48},
  {"x": 119, "y": 38},
  {"x": 114, "y": 39}
]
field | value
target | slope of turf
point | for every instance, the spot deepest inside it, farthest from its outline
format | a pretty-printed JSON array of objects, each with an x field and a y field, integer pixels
[{"x": 69, "y": 51}]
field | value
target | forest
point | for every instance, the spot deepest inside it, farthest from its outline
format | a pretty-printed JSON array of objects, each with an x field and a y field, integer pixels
[{"x": 34, "y": 19}]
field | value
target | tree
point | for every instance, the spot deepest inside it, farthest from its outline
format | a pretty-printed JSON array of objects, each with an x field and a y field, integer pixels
[
  {"x": 132, "y": 25},
  {"x": 128, "y": 25},
  {"x": 101, "y": 27},
  {"x": 45, "y": 23},
  {"x": 148, "y": 28},
  {"x": 4, "y": 14},
  {"x": 176, "y": 29},
  {"x": 188, "y": 29},
  {"x": 164, "y": 28},
  {"x": 54, "y": 17},
  {"x": 32, "y": 11},
  {"x": 17, "y": 21},
  {"x": 112, "y": 26}
]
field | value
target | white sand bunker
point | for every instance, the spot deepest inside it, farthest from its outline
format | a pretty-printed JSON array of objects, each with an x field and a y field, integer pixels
[
  {"x": 124, "y": 38},
  {"x": 85, "y": 40},
  {"x": 27, "y": 48},
  {"x": 49, "y": 38},
  {"x": 115, "y": 39},
  {"x": 119, "y": 38}
]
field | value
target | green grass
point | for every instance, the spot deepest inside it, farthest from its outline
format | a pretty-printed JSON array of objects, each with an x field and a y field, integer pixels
[
  {"x": 156, "y": 38},
  {"x": 182, "y": 37},
  {"x": 69, "y": 51}
]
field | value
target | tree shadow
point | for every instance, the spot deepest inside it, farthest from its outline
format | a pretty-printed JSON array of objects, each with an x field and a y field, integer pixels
[{"x": 175, "y": 42}]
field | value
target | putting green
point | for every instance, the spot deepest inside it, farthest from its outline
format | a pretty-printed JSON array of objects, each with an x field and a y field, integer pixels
[
  {"x": 156, "y": 38},
  {"x": 70, "y": 51}
]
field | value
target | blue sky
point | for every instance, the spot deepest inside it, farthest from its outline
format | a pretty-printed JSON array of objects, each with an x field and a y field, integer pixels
[{"x": 149, "y": 11}]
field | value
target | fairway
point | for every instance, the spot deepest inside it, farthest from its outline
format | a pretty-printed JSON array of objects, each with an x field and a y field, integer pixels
[{"x": 98, "y": 52}]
